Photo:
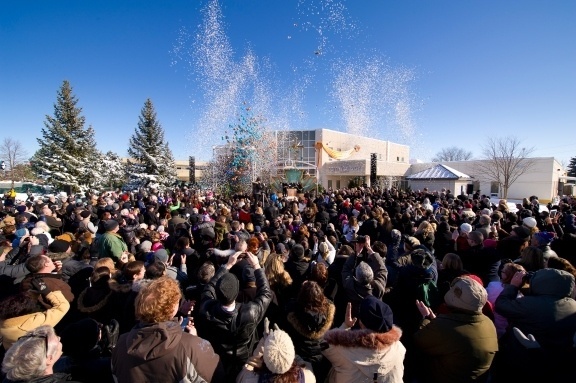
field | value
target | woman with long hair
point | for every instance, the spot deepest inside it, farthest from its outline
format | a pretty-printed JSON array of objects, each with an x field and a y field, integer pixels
[
  {"x": 308, "y": 320},
  {"x": 350, "y": 229},
  {"x": 278, "y": 278},
  {"x": 425, "y": 234}
]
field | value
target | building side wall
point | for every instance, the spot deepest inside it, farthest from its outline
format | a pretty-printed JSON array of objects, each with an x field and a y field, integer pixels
[
  {"x": 541, "y": 180},
  {"x": 392, "y": 158}
]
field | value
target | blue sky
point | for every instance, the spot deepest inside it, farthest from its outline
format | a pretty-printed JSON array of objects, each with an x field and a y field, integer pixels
[{"x": 459, "y": 70}]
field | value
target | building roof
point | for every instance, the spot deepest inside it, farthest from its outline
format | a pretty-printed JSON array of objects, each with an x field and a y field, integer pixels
[{"x": 439, "y": 171}]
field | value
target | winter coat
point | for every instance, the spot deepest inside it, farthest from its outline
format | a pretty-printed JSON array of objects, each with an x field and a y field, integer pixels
[
  {"x": 111, "y": 245},
  {"x": 13, "y": 271},
  {"x": 91, "y": 367},
  {"x": 13, "y": 328},
  {"x": 53, "y": 378},
  {"x": 258, "y": 220},
  {"x": 457, "y": 347},
  {"x": 232, "y": 333},
  {"x": 414, "y": 282},
  {"x": 307, "y": 329},
  {"x": 103, "y": 301},
  {"x": 162, "y": 352},
  {"x": 355, "y": 291},
  {"x": 371, "y": 229},
  {"x": 55, "y": 282},
  {"x": 548, "y": 312},
  {"x": 358, "y": 355},
  {"x": 482, "y": 261}
]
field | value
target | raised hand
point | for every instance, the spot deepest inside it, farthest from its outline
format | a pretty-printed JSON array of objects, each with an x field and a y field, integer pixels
[{"x": 348, "y": 320}]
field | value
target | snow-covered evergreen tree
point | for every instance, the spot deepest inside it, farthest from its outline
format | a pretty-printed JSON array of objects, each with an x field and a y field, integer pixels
[
  {"x": 151, "y": 162},
  {"x": 110, "y": 172},
  {"x": 572, "y": 167},
  {"x": 67, "y": 150}
]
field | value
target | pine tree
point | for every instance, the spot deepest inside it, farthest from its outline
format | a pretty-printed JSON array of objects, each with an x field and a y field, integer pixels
[
  {"x": 572, "y": 167},
  {"x": 67, "y": 150},
  {"x": 109, "y": 171},
  {"x": 151, "y": 162}
]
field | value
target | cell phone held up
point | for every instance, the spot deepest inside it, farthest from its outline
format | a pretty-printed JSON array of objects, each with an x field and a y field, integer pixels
[{"x": 185, "y": 322}]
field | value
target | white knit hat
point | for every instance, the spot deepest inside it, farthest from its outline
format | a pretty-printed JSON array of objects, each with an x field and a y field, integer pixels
[
  {"x": 466, "y": 228},
  {"x": 279, "y": 352},
  {"x": 529, "y": 222}
]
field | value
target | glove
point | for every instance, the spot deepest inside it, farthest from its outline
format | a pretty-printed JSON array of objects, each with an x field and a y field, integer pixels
[
  {"x": 527, "y": 341},
  {"x": 40, "y": 286},
  {"x": 110, "y": 333}
]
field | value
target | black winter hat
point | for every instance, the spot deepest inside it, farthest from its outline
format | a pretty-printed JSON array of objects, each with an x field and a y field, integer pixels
[
  {"x": 376, "y": 315},
  {"x": 227, "y": 288},
  {"x": 59, "y": 246},
  {"x": 80, "y": 337},
  {"x": 298, "y": 251}
]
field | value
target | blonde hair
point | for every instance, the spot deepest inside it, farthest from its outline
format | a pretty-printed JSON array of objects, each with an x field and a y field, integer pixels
[
  {"x": 452, "y": 261},
  {"x": 275, "y": 272},
  {"x": 106, "y": 262},
  {"x": 425, "y": 228}
]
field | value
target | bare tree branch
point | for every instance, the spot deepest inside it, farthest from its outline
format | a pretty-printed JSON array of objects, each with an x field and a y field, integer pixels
[
  {"x": 505, "y": 160},
  {"x": 13, "y": 154},
  {"x": 452, "y": 153}
]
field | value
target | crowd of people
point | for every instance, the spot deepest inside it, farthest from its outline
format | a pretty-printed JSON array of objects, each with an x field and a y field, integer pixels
[{"x": 351, "y": 285}]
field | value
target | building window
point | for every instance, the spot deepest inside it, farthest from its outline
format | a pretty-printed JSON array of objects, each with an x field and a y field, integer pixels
[
  {"x": 402, "y": 159},
  {"x": 398, "y": 159},
  {"x": 494, "y": 188},
  {"x": 329, "y": 184},
  {"x": 337, "y": 184}
]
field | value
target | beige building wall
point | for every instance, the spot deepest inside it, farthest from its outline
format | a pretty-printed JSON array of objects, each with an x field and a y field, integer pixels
[
  {"x": 455, "y": 186},
  {"x": 541, "y": 180},
  {"x": 392, "y": 158},
  {"x": 183, "y": 172}
]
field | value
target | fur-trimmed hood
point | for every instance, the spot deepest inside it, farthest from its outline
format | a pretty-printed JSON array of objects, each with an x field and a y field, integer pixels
[
  {"x": 363, "y": 338},
  {"x": 119, "y": 287},
  {"x": 359, "y": 355},
  {"x": 303, "y": 329}
]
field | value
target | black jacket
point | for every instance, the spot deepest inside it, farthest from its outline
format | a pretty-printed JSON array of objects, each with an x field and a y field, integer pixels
[
  {"x": 307, "y": 330},
  {"x": 232, "y": 333}
]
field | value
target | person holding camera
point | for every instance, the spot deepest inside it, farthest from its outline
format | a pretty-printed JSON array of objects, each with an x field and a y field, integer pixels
[
  {"x": 158, "y": 345},
  {"x": 230, "y": 326},
  {"x": 364, "y": 273},
  {"x": 547, "y": 312}
]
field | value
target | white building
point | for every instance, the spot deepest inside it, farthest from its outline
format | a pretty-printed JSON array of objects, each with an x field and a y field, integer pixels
[
  {"x": 543, "y": 179},
  {"x": 440, "y": 177},
  {"x": 337, "y": 158}
]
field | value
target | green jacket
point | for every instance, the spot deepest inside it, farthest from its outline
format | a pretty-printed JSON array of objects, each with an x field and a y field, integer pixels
[
  {"x": 457, "y": 347},
  {"x": 111, "y": 245}
]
